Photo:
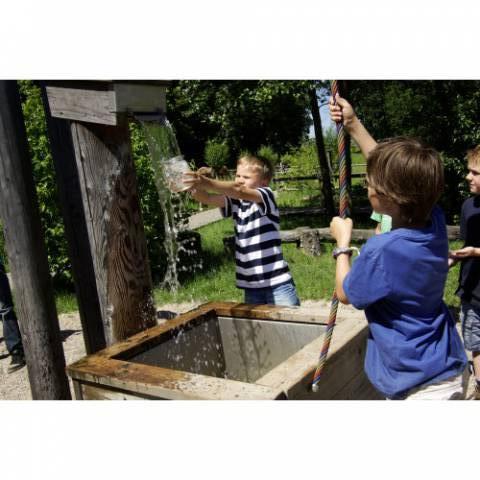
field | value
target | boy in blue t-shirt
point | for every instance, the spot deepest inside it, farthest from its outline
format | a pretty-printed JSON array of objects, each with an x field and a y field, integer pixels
[
  {"x": 469, "y": 281},
  {"x": 413, "y": 348}
]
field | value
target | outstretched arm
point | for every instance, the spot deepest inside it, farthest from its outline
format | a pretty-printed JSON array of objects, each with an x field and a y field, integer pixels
[
  {"x": 230, "y": 189},
  {"x": 341, "y": 111},
  {"x": 208, "y": 198}
]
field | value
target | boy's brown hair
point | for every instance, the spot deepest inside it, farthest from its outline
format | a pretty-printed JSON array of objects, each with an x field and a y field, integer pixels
[
  {"x": 473, "y": 156},
  {"x": 259, "y": 163},
  {"x": 409, "y": 173}
]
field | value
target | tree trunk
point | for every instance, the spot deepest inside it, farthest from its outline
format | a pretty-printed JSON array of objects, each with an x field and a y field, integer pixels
[
  {"x": 326, "y": 184},
  {"x": 68, "y": 184},
  {"x": 348, "y": 142},
  {"x": 32, "y": 289}
]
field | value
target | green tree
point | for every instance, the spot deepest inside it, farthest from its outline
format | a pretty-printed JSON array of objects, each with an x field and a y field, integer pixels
[
  {"x": 445, "y": 114},
  {"x": 243, "y": 114}
]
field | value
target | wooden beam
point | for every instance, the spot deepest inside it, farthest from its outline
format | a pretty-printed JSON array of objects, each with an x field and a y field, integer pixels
[
  {"x": 63, "y": 155},
  {"x": 115, "y": 227},
  {"x": 33, "y": 293},
  {"x": 102, "y": 103},
  {"x": 323, "y": 234}
]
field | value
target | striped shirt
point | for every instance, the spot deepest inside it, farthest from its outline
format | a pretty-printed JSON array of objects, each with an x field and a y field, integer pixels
[{"x": 258, "y": 248}]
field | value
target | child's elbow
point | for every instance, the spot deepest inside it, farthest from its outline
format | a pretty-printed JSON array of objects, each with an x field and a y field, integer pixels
[{"x": 342, "y": 298}]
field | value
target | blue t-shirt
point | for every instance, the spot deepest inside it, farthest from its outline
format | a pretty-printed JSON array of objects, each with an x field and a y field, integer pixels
[{"x": 399, "y": 279}]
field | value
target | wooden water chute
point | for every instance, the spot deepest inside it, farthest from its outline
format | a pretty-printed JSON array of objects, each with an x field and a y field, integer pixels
[{"x": 97, "y": 113}]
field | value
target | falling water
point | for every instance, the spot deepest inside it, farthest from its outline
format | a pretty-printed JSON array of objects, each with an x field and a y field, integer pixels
[{"x": 163, "y": 147}]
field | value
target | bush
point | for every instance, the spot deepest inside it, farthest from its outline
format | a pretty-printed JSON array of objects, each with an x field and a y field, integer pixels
[
  {"x": 302, "y": 161},
  {"x": 268, "y": 153},
  {"x": 216, "y": 155}
]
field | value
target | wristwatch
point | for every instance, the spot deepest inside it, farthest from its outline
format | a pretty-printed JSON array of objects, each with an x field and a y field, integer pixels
[{"x": 340, "y": 250}]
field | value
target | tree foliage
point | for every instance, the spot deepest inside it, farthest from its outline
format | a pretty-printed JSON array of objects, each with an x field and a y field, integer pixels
[
  {"x": 242, "y": 114},
  {"x": 445, "y": 114}
]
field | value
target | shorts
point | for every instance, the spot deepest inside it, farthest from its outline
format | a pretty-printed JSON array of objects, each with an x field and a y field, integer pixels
[
  {"x": 284, "y": 294},
  {"x": 453, "y": 388},
  {"x": 470, "y": 318}
]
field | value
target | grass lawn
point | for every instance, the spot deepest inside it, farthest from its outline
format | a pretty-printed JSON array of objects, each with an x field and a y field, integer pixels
[{"x": 314, "y": 276}]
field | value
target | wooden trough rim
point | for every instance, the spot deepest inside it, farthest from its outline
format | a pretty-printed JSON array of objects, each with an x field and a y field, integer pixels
[{"x": 103, "y": 368}]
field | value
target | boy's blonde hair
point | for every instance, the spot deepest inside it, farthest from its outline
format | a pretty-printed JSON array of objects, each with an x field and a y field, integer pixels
[
  {"x": 409, "y": 173},
  {"x": 259, "y": 163},
  {"x": 473, "y": 156}
]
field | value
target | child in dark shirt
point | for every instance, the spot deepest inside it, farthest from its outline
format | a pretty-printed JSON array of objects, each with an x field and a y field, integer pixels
[{"x": 469, "y": 281}]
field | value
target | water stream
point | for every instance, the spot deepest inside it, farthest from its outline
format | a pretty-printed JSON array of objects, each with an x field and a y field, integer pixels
[{"x": 164, "y": 151}]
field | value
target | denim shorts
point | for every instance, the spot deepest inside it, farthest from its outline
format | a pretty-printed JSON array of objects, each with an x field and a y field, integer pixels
[
  {"x": 284, "y": 294},
  {"x": 470, "y": 318}
]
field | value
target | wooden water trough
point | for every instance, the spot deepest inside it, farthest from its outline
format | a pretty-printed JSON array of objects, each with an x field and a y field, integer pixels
[{"x": 230, "y": 351}]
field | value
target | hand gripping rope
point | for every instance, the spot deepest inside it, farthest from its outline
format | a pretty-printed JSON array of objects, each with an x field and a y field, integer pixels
[{"x": 344, "y": 211}]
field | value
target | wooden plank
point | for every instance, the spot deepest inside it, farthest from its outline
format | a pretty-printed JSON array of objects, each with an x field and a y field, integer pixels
[
  {"x": 32, "y": 289},
  {"x": 358, "y": 235},
  {"x": 268, "y": 312},
  {"x": 164, "y": 383},
  {"x": 96, "y": 106},
  {"x": 95, "y": 392},
  {"x": 141, "y": 340}
]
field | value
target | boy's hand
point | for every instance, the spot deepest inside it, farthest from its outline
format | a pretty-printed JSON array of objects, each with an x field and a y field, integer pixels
[
  {"x": 341, "y": 111},
  {"x": 193, "y": 180},
  {"x": 205, "y": 171},
  {"x": 452, "y": 260},
  {"x": 341, "y": 230},
  {"x": 464, "y": 252}
]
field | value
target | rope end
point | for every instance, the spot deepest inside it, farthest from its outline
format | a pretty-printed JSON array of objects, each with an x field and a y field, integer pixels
[{"x": 315, "y": 388}]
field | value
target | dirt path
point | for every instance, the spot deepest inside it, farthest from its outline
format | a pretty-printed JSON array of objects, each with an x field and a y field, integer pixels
[{"x": 15, "y": 386}]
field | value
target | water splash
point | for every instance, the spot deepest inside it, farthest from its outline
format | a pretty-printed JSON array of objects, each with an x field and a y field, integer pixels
[{"x": 163, "y": 147}]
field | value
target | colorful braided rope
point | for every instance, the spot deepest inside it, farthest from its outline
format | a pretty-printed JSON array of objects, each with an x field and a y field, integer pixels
[{"x": 344, "y": 212}]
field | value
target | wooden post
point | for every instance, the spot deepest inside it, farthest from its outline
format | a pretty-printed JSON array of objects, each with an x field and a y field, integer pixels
[
  {"x": 33, "y": 293},
  {"x": 68, "y": 184},
  {"x": 115, "y": 228},
  {"x": 322, "y": 157}
]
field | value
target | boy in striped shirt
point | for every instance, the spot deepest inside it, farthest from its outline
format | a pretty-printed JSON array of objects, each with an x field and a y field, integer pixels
[{"x": 261, "y": 270}]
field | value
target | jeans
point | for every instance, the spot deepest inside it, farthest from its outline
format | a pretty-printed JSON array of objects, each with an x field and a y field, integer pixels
[
  {"x": 11, "y": 332},
  {"x": 284, "y": 294}
]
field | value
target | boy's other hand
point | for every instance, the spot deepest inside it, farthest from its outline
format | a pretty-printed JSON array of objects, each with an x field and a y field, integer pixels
[
  {"x": 341, "y": 111},
  {"x": 341, "y": 230}
]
